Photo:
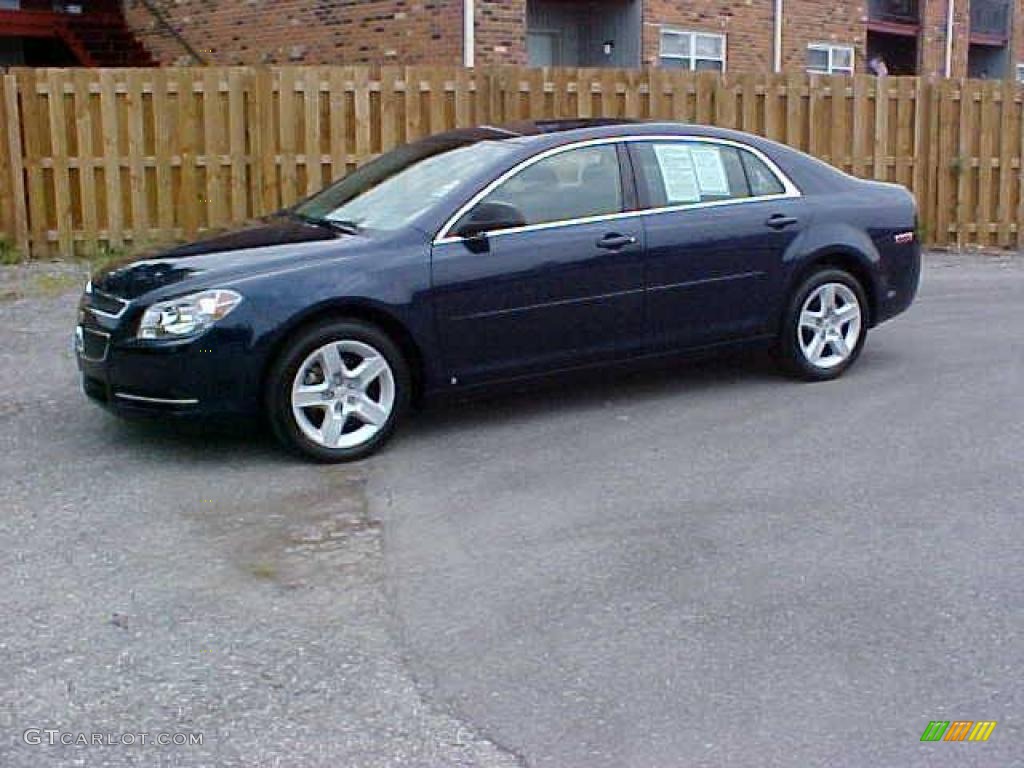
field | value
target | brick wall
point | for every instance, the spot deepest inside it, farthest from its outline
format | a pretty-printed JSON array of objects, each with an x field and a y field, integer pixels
[
  {"x": 747, "y": 25},
  {"x": 430, "y": 31},
  {"x": 501, "y": 32},
  {"x": 823, "y": 21},
  {"x": 933, "y": 38},
  {"x": 304, "y": 31}
]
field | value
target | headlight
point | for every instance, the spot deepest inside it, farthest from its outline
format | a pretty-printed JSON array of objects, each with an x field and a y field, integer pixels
[{"x": 188, "y": 315}]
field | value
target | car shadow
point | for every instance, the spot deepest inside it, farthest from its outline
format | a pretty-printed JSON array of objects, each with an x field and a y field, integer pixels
[
  {"x": 592, "y": 390},
  {"x": 208, "y": 442},
  {"x": 211, "y": 442}
]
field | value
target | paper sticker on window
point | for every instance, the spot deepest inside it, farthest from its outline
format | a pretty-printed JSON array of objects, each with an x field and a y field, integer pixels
[
  {"x": 678, "y": 173},
  {"x": 711, "y": 177}
]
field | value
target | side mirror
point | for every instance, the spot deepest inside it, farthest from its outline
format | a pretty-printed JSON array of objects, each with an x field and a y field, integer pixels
[{"x": 490, "y": 217}]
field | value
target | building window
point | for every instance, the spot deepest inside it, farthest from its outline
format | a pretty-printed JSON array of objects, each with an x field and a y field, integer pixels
[
  {"x": 828, "y": 59},
  {"x": 692, "y": 50},
  {"x": 1020, "y": 73}
]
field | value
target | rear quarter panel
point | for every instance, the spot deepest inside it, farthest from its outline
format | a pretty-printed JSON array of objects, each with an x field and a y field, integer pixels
[{"x": 864, "y": 225}]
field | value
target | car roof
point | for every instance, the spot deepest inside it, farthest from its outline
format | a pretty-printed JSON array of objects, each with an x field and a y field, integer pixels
[
  {"x": 581, "y": 129},
  {"x": 570, "y": 130}
]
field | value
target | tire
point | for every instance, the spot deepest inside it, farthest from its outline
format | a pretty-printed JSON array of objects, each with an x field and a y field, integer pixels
[
  {"x": 337, "y": 391},
  {"x": 838, "y": 327}
]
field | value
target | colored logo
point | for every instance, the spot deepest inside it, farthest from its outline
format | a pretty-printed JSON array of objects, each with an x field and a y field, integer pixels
[{"x": 958, "y": 730}]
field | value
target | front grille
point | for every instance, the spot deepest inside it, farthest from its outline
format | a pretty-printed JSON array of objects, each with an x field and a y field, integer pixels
[
  {"x": 105, "y": 303},
  {"x": 94, "y": 345}
]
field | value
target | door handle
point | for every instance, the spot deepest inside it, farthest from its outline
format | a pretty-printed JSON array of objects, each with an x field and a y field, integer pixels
[
  {"x": 615, "y": 241},
  {"x": 779, "y": 221}
]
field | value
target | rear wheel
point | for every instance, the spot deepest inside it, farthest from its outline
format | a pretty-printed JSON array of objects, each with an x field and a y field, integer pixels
[
  {"x": 825, "y": 326},
  {"x": 337, "y": 391}
]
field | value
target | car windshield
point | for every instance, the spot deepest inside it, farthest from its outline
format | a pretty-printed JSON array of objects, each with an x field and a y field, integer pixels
[{"x": 391, "y": 191}]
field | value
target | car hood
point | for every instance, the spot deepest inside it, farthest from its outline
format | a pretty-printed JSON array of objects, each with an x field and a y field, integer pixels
[{"x": 261, "y": 246}]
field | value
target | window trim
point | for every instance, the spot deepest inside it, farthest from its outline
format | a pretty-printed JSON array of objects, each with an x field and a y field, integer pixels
[
  {"x": 831, "y": 48},
  {"x": 692, "y": 58},
  {"x": 1019, "y": 71},
  {"x": 444, "y": 236}
]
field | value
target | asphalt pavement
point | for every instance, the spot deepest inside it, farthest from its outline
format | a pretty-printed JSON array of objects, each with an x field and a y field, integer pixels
[
  {"x": 705, "y": 565},
  {"x": 715, "y": 566}
]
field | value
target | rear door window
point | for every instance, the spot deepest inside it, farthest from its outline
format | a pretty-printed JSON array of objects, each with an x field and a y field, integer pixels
[
  {"x": 689, "y": 172},
  {"x": 675, "y": 173}
]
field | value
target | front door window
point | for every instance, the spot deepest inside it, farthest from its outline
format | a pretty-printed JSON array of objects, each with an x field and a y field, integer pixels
[{"x": 575, "y": 184}]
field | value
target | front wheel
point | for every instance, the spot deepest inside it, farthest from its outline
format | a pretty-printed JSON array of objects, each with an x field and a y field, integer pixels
[
  {"x": 825, "y": 326},
  {"x": 338, "y": 391}
]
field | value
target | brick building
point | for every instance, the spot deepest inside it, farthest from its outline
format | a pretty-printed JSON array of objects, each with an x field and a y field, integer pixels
[{"x": 979, "y": 38}]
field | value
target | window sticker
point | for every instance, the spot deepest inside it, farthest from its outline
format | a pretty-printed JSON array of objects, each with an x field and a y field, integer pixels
[
  {"x": 711, "y": 177},
  {"x": 678, "y": 173}
]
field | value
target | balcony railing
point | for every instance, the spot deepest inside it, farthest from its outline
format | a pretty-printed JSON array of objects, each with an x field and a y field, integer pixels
[
  {"x": 894, "y": 11},
  {"x": 990, "y": 18}
]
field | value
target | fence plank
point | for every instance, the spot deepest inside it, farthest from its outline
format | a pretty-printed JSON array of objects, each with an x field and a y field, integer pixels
[
  {"x": 1020, "y": 192},
  {"x": 63, "y": 219},
  {"x": 1007, "y": 136},
  {"x": 985, "y": 157},
  {"x": 795, "y": 111},
  {"x": 311, "y": 140},
  {"x": 33, "y": 131},
  {"x": 239, "y": 86},
  {"x": 413, "y": 105},
  {"x": 136, "y": 152},
  {"x": 881, "y": 146},
  {"x": 964, "y": 164},
  {"x": 945, "y": 161},
  {"x": 362, "y": 113},
  {"x": 82, "y": 81},
  {"x": 7, "y": 196},
  {"x": 188, "y": 127},
  {"x": 18, "y": 221}
]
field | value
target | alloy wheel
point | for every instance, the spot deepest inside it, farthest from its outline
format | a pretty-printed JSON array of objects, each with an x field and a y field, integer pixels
[
  {"x": 830, "y": 325},
  {"x": 343, "y": 394}
]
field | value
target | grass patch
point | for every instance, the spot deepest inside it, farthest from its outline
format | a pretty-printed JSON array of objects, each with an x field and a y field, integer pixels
[
  {"x": 51, "y": 286},
  {"x": 263, "y": 570},
  {"x": 8, "y": 253}
]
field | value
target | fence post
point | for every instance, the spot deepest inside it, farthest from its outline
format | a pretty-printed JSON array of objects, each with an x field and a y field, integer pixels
[{"x": 12, "y": 180}]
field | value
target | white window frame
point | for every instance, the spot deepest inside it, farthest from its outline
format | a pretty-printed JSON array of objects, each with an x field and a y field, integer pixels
[
  {"x": 831, "y": 49},
  {"x": 693, "y": 57},
  {"x": 1020, "y": 71}
]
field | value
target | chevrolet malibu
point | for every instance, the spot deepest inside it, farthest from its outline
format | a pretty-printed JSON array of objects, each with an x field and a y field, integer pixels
[{"x": 481, "y": 256}]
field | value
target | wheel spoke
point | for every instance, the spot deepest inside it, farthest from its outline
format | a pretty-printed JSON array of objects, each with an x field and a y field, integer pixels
[
  {"x": 368, "y": 370},
  {"x": 810, "y": 319},
  {"x": 334, "y": 366},
  {"x": 333, "y": 426},
  {"x": 847, "y": 313},
  {"x": 310, "y": 396},
  {"x": 828, "y": 297},
  {"x": 816, "y": 347},
  {"x": 370, "y": 412},
  {"x": 840, "y": 346}
]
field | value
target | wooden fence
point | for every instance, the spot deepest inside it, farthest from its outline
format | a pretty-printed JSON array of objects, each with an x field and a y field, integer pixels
[{"x": 93, "y": 159}]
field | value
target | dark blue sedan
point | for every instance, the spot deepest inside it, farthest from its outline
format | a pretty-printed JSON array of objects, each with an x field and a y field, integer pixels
[{"x": 481, "y": 256}]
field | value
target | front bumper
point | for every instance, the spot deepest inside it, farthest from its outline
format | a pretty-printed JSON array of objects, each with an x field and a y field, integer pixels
[{"x": 208, "y": 376}]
